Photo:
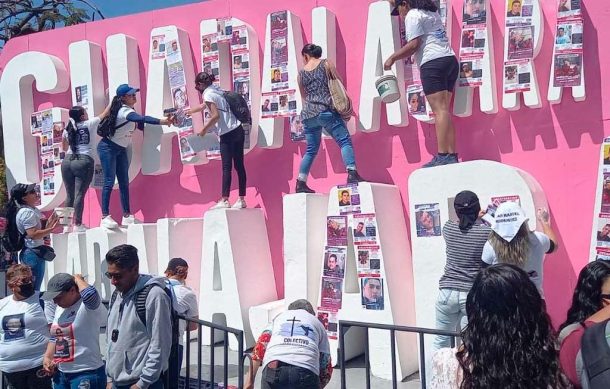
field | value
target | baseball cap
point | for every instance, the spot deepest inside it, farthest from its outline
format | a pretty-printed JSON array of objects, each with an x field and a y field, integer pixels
[
  {"x": 125, "y": 89},
  {"x": 174, "y": 263},
  {"x": 397, "y": 4},
  {"x": 59, "y": 283},
  {"x": 509, "y": 218}
]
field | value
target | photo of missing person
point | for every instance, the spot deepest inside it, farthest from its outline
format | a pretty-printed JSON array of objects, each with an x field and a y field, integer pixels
[
  {"x": 334, "y": 264},
  {"x": 466, "y": 70},
  {"x": 417, "y": 102},
  {"x": 603, "y": 233},
  {"x": 331, "y": 293},
  {"x": 242, "y": 87},
  {"x": 468, "y": 38},
  {"x": 513, "y": 9},
  {"x": 14, "y": 327},
  {"x": 237, "y": 64},
  {"x": 276, "y": 76},
  {"x": 372, "y": 293},
  {"x": 279, "y": 51},
  {"x": 474, "y": 12},
  {"x": 173, "y": 47},
  {"x": 359, "y": 230},
  {"x": 427, "y": 220},
  {"x": 180, "y": 98},
  {"x": 363, "y": 259},
  {"x": 510, "y": 74},
  {"x": 344, "y": 197},
  {"x": 521, "y": 42},
  {"x": 235, "y": 38},
  {"x": 564, "y": 6},
  {"x": 185, "y": 148},
  {"x": 283, "y": 102},
  {"x": 336, "y": 230},
  {"x": 606, "y": 154},
  {"x": 606, "y": 194},
  {"x": 564, "y": 35},
  {"x": 266, "y": 107}
]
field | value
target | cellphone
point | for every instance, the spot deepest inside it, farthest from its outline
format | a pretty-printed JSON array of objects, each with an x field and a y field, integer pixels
[{"x": 169, "y": 111}]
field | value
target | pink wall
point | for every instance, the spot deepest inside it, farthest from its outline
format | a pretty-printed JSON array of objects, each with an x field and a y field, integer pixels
[{"x": 559, "y": 145}]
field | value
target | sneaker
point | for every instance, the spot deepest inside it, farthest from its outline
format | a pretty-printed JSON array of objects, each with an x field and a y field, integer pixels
[
  {"x": 221, "y": 204},
  {"x": 108, "y": 222},
  {"x": 240, "y": 204},
  {"x": 79, "y": 228},
  {"x": 302, "y": 187},
  {"x": 127, "y": 220},
  {"x": 440, "y": 160},
  {"x": 353, "y": 177}
]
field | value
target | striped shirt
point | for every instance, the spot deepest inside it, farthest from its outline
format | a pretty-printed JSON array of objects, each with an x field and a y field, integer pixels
[
  {"x": 464, "y": 250},
  {"x": 317, "y": 95}
]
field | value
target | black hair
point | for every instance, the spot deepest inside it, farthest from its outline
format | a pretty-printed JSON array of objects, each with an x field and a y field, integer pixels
[
  {"x": 426, "y": 5},
  {"x": 509, "y": 342},
  {"x": 344, "y": 191},
  {"x": 301, "y": 304},
  {"x": 332, "y": 255},
  {"x": 312, "y": 50},
  {"x": 124, "y": 256},
  {"x": 15, "y": 202},
  {"x": 204, "y": 78},
  {"x": 75, "y": 113},
  {"x": 587, "y": 294}
]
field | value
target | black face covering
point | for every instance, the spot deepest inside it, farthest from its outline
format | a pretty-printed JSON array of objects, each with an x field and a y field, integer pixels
[
  {"x": 26, "y": 290},
  {"x": 467, "y": 208}
]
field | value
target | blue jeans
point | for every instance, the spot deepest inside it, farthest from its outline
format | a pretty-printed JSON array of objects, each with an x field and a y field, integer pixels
[
  {"x": 115, "y": 165},
  {"x": 288, "y": 376},
  {"x": 335, "y": 126},
  {"x": 90, "y": 379},
  {"x": 37, "y": 264},
  {"x": 450, "y": 308},
  {"x": 156, "y": 385}
]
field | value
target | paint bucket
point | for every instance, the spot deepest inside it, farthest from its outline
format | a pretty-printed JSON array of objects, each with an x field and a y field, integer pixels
[
  {"x": 65, "y": 215},
  {"x": 387, "y": 87}
]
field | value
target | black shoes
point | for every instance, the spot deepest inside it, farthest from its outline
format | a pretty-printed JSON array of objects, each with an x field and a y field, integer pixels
[
  {"x": 353, "y": 177},
  {"x": 302, "y": 187}
]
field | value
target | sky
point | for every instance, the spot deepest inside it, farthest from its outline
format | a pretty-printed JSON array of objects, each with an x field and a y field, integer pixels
[{"x": 112, "y": 8}]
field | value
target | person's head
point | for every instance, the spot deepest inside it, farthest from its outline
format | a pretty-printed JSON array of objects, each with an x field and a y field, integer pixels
[
  {"x": 25, "y": 194},
  {"x": 203, "y": 80},
  {"x": 283, "y": 100},
  {"x": 183, "y": 142},
  {"x": 174, "y": 46},
  {"x": 360, "y": 226},
  {"x": 127, "y": 94},
  {"x": 333, "y": 224},
  {"x": 605, "y": 230},
  {"x": 205, "y": 42},
  {"x": 178, "y": 269},
  {"x": 277, "y": 75},
  {"x": 561, "y": 31},
  {"x": 507, "y": 321},
  {"x": 78, "y": 114},
  {"x": 515, "y": 6},
  {"x": 123, "y": 267},
  {"x": 414, "y": 100},
  {"x": 20, "y": 281},
  {"x": 345, "y": 196},
  {"x": 425, "y": 220},
  {"x": 78, "y": 93},
  {"x": 466, "y": 67},
  {"x": 371, "y": 289},
  {"x": 467, "y": 209},
  {"x": 266, "y": 103},
  {"x": 310, "y": 51},
  {"x": 155, "y": 44},
  {"x": 62, "y": 289},
  {"x": 510, "y": 234},
  {"x": 301, "y": 304},
  {"x": 242, "y": 89},
  {"x": 59, "y": 333},
  {"x": 180, "y": 98},
  {"x": 331, "y": 262},
  {"x": 591, "y": 294},
  {"x": 237, "y": 60}
]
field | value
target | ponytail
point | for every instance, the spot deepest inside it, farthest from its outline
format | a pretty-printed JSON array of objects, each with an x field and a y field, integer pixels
[
  {"x": 75, "y": 113},
  {"x": 312, "y": 50}
]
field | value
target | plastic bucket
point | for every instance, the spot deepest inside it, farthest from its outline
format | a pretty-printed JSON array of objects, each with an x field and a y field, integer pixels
[
  {"x": 65, "y": 215},
  {"x": 387, "y": 87}
]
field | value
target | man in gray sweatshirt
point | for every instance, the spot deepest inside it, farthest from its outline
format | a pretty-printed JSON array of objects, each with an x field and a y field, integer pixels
[{"x": 138, "y": 350}]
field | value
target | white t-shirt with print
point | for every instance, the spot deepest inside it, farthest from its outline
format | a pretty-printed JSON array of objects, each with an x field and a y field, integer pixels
[
  {"x": 297, "y": 338},
  {"x": 75, "y": 332},
  {"x": 428, "y": 26},
  {"x": 122, "y": 136},
  {"x": 539, "y": 245},
  {"x": 29, "y": 218},
  {"x": 186, "y": 304},
  {"x": 83, "y": 135},
  {"x": 24, "y": 333},
  {"x": 227, "y": 121}
]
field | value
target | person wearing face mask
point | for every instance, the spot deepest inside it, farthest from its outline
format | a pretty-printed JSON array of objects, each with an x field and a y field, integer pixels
[
  {"x": 25, "y": 220},
  {"x": 24, "y": 332},
  {"x": 186, "y": 305},
  {"x": 73, "y": 355}
]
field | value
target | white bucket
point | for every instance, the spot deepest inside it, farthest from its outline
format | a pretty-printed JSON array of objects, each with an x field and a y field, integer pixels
[
  {"x": 387, "y": 87},
  {"x": 65, "y": 215}
]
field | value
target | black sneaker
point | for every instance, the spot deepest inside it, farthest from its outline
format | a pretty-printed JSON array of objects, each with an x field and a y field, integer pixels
[
  {"x": 434, "y": 162},
  {"x": 353, "y": 177},
  {"x": 302, "y": 187}
]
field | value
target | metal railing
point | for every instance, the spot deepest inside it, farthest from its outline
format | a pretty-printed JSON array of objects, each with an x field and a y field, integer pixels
[{"x": 346, "y": 325}]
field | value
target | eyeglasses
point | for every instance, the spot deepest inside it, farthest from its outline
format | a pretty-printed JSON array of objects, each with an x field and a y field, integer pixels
[{"x": 116, "y": 276}]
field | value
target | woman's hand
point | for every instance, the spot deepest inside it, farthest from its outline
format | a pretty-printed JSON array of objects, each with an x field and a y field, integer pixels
[
  {"x": 48, "y": 365},
  {"x": 389, "y": 63},
  {"x": 53, "y": 221},
  {"x": 166, "y": 121}
]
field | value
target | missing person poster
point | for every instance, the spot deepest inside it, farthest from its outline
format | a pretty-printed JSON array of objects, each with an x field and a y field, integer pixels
[
  {"x": 519, "y": 12},
  {"x": 348, "y": 199},
  {"x": 569, "y": 9},
  {"x": 372, "y": 293},
  {"x": 517, "y": 76},
  {"x": 428, "y": 220},
  {"x": 606, "y": 194},
  {"x": 494, "y": 202},
  {"x": 473, "y": 41},
  {"x": 568, "y": 70},
  {"x": 471, "y": 71},
  {"x": 279, "y": 104},
  {"x": 603, "y": 230},
  {"x": 368, "y": 260},
  {"x": 474, "y": 12},
  {"x": 365, "y": 229},
  {"x": 297, "y": 133},
  {"x": 336, "y": 230},
  {"x": 335, "y": 259},
  {"x": 331, "y": 293},
  {"x": 417, "y": 100},
  {"x": 603, "y": 254},
  {"x": 521, "y": 42},
  {"x": 569, "y": 36},
  {"x": 329, "y": 322},
  {"x": 82, "y": 96},
  {"x": 158, "y": 47}
]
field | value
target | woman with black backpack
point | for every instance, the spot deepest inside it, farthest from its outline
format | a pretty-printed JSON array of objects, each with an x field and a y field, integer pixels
[
  {"x": 77, "y": 167},
  {"x": 25, "y": 231},
  {"x": 116, "y": 132}
]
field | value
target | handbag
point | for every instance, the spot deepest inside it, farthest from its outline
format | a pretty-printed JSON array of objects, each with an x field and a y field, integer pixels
[
  {"x": 45, "y": 252},
  {"x": 341, "y": 101}
]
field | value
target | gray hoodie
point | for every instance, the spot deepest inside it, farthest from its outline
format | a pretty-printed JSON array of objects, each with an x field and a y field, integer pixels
[{"x": 140, "y": 353}]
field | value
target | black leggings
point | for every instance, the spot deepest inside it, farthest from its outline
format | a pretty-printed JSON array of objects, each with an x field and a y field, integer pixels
[
  {"x": 26, "y": 379},
  {"x": 232, "y": 153}
]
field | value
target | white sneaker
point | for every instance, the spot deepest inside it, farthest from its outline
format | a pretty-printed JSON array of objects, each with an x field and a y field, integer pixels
[
  {"x": 222, "y": 204},
  {"x": 130, "y": 220},
  {"x": 79, "y": 228},
  {"x": 240, "y": 204},
  {"x": 108, "y": 222}
]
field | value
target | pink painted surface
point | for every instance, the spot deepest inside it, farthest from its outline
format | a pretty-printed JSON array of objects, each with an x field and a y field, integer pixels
[{"x": 558, "y": 145}]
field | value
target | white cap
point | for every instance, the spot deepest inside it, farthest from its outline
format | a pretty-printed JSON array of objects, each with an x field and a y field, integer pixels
[{"x": 509, "y": 217}]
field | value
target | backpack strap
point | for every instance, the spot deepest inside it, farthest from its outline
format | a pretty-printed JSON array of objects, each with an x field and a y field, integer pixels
[
  {"x": 140, "y": 300},
  {"x": 112, "y": 300},
  {"x": 596, "y": 354}
]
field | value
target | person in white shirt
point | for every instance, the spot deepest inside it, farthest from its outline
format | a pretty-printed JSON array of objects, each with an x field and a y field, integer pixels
[
  {"x": 427, "y": 40},
  {"x": 512, "y": 242},
  {"x": 24, "y": 332},
  {"x": 73, "y": 355},
  {"x": 231, "y": 133},
  {"x": 186, "y": 305},
  {"x": 294, "y": 351},
  {"x": 77, "y": 168},
  {"x": 113, "y": 151}
]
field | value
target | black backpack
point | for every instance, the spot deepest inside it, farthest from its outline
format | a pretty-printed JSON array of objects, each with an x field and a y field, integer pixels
[
  {"x": 107, "y": 128},
  {"x": 596, "y": 357},
  {"x": 238, "y": 106},
  {"x": 13, "y": 241},
  {"x": 140, "y": 300}
]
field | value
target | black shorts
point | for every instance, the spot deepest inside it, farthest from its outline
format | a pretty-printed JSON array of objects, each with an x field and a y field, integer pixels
[{"x": 439, "y": 74}]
